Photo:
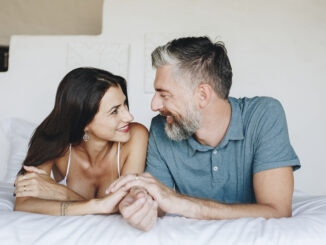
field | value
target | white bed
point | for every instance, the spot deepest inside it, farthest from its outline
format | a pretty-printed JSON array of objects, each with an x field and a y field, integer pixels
[{"x": 307, "y": 226}]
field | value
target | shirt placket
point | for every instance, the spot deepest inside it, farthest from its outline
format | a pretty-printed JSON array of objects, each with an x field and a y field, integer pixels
[{"x": 216, "y": 166}]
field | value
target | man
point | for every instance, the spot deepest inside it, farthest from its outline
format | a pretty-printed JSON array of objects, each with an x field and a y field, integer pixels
[{"x": 210, "y": 156}]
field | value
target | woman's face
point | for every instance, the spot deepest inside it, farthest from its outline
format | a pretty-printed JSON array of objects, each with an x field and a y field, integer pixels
[{"x": 111, "y": 122}]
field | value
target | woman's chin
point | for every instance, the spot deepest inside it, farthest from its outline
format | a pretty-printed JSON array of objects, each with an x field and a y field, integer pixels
[{"x": 123, "y": 138}]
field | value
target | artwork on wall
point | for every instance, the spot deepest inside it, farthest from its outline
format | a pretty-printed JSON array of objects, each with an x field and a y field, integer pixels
[{"x": 108, "y": 56}]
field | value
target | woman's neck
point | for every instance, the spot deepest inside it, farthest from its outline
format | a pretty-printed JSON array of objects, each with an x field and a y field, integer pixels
[{"x": 96, "y": 151}]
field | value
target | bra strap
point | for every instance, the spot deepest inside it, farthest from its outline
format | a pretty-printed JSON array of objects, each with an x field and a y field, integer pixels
[
  {"x": 68, "y": 162},
  {"x": 118, "y": 160}
]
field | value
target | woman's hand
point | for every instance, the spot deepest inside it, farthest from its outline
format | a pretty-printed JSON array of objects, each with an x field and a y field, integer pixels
[
  {"x": 110, "y": 203},
  {"x": 37, "y": 183}
]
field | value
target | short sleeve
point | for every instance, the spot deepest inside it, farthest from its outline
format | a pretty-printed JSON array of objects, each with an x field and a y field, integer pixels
[
  {"x": 272, "y": 144},
  {"x": 155, "y": 164}
]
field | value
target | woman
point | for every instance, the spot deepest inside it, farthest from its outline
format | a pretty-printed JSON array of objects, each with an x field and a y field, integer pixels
[{"x": 85, "y": 144}]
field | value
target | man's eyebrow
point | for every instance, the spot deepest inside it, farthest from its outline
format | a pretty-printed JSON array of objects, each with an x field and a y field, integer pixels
[{"x": 161, "y": 90}]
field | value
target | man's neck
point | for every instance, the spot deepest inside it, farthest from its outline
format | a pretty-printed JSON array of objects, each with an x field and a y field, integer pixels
[{"x": 215, "y": 120}]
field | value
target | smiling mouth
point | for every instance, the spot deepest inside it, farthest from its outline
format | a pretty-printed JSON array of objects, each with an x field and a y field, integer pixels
[
  {"x": 169, "y": 119},
  {"x": 124, "y": 129}
]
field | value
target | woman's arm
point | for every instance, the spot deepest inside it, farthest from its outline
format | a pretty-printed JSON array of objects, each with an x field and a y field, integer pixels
[
  {"x": 37, "y": 192},
  {"x": 106, "y": 205},
  {"x": 38, "y": 183}
]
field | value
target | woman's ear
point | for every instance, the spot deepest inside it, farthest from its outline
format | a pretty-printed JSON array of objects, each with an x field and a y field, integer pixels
[{"x": 204, "y": 93}]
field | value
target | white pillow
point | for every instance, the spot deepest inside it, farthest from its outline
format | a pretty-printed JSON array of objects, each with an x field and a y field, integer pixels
[
  {"x": 4, "y": 153},
  {"x": 19, "y": 132}
]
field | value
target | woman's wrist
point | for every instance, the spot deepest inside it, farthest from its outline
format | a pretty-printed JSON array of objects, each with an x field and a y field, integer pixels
[{"x": 100, "y": 206}]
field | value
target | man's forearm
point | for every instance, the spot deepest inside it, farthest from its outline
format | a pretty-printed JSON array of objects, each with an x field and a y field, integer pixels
[{"x": 205, "y": 209}]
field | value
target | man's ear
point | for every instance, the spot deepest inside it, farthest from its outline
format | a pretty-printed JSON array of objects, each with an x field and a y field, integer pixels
[{"x": 204, "y": 92}]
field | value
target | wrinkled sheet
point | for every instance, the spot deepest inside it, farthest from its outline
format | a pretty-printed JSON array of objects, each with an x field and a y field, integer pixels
[{"x": 307, "y": 226}]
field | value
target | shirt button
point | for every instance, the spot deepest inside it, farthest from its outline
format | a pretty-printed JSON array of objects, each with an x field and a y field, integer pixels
[
  {"x": 215, "y": 168},
  {"x": 214, "y": 152}
]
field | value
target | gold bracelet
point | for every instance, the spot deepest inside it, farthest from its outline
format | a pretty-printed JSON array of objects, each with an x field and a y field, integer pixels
[{"x": 63, "y": 207}]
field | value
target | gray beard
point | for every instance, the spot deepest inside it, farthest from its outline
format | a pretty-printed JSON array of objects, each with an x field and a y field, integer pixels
[{"x": 183, "y": 128}]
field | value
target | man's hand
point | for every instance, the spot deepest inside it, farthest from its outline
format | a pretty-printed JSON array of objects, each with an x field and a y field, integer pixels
[
  {"x": 139, "y": 209},
  {"x": 164, "y": 196}
]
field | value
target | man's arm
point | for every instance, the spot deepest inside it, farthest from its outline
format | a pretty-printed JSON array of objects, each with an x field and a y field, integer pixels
[{"x": 273, "y": 189}]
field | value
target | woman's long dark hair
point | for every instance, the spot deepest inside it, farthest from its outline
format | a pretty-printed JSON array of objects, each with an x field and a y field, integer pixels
[{"x": 77, "y": 101}]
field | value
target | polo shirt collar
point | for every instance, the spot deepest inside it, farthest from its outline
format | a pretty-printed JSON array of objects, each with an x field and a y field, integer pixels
[{"x": 234, "y": 132}]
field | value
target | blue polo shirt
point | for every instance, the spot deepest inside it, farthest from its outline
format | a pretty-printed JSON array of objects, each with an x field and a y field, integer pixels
[{"x": 257, "y": 139}]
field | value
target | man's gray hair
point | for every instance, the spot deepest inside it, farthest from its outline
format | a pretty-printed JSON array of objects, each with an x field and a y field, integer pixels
[{"x": 197, "y": 60}]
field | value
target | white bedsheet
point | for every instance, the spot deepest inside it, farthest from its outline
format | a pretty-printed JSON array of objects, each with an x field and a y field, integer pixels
[{"x": 307, "y": 226}]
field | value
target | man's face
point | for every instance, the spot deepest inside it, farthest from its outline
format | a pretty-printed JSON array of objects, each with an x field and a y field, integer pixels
[{"x": 176, "y": 103}]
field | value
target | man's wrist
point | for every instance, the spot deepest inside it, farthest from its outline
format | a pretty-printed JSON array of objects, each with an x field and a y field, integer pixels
[
  {"x": 177, "y": 204},
  {"x": 186, "y": 206}
]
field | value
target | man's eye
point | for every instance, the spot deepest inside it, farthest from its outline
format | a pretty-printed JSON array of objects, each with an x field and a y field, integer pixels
[
  {"x": 164, "y": 95},
  {"x": 115, "y": 111}
]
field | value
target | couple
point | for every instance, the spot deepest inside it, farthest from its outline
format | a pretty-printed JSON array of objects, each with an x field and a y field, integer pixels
[{"x": 209, "y": 156}]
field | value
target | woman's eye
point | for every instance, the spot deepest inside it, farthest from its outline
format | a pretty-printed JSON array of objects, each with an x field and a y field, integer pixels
[{"x": 115, "y": 111}]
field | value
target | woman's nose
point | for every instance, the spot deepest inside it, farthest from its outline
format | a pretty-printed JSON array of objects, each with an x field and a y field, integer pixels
[{"x": 127, "y": 117}]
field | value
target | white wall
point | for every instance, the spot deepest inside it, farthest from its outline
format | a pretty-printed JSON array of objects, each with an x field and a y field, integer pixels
[{"x": 276, "y": 48}]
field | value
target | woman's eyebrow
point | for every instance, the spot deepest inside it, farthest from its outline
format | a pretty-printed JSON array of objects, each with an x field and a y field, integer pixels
[{"x": 115, "y": 107}]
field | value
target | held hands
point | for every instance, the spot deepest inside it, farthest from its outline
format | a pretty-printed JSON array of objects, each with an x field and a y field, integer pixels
[
  {"x": 37, "y": 183},
  {"x": 139, "y": 209},
  {"x": 110, "y": 203},
  {"x": 164, "y": 196}
]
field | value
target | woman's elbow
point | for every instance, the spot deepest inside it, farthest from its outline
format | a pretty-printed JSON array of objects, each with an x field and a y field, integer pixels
[{"x": 20, "y": 203}]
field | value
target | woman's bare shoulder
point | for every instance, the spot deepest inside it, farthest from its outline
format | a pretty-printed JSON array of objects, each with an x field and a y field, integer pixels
[
  {"x": 138, "y": 130},
  {"x": 138, "y": 135}
]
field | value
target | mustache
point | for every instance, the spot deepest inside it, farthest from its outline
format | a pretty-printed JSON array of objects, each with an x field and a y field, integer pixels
[{"x": 165, "y": 114}]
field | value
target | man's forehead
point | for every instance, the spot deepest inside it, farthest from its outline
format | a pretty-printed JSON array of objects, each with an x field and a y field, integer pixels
[{"x": 164, "y": 80}]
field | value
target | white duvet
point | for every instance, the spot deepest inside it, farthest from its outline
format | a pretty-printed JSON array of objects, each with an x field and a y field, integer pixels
[{"x": 307, "y": 226}]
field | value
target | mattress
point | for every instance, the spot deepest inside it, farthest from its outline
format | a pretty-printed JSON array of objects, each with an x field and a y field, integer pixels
[{"x": 307, "y": 226}]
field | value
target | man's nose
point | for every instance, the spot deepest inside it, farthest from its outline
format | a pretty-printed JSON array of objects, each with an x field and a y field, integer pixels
[{"x": 156, "y": 104}]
